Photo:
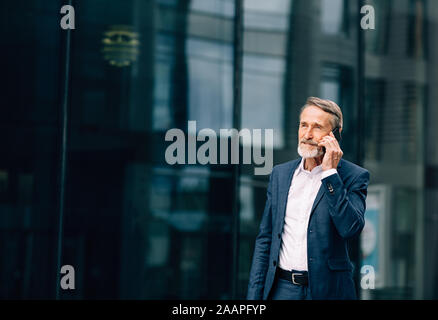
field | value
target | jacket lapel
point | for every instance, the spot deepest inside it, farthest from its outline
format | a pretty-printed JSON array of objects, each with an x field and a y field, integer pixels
[
  {"x": 317, "y": 199},
  {"x": 321, "y": 193}
]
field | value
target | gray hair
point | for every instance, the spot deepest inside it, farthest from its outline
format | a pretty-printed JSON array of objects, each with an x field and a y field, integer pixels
[{"x": 327, "y": 106}]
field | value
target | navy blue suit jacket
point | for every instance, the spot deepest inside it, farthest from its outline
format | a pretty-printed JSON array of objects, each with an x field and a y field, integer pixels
[{"x": 336, "y": 216}]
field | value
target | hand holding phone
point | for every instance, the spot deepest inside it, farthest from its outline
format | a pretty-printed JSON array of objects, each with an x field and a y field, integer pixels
[{"x": 332, "y": 150}]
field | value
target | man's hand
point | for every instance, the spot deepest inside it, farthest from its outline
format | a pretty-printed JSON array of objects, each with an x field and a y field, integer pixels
[{"x": 333, "y": 152}]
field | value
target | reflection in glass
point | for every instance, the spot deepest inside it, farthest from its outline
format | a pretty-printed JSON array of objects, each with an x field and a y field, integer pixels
[
  {"x": 267, "y": 15},
  {"x": 334, "y": 16},
  {"x": 138, "y": 228},
  {"x": 210, "y": 83}
]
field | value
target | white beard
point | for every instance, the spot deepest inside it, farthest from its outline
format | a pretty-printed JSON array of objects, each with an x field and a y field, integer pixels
[{"x": 309, "y": 152}]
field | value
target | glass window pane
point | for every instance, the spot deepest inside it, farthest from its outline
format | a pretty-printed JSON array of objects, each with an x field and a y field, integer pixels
[{"x": 332, "y": 15}]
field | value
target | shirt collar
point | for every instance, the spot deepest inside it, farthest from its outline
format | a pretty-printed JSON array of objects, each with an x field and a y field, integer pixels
[{"x": 300, "y": 169}]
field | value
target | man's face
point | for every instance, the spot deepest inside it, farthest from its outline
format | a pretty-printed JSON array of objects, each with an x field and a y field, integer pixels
[{"x": 314, "y": 125}]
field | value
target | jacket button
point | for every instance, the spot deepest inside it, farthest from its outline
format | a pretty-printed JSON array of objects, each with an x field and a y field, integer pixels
[
  {"x": 310, "y": 230},
  {"x": 279, "y": 235},
  {"x": 330, "y": 188},
  {"x": 274, "y": 263}
]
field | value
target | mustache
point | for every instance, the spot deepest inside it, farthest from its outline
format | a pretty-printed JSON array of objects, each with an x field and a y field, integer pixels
[{"x": 309, "y": 141}]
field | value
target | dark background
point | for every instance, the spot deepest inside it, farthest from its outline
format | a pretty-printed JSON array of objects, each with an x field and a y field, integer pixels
[{"x": 83, "y": 179}]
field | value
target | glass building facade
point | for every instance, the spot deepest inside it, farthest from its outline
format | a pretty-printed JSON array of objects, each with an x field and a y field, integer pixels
[{"x": 83, "y": 175}]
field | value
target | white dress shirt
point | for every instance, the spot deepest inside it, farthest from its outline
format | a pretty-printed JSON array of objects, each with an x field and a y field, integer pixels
[{"x": 302, "y": 193}]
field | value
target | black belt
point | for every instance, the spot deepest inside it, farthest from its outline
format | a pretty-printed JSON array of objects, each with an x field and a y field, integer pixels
[{"x": 300, "y": 278}]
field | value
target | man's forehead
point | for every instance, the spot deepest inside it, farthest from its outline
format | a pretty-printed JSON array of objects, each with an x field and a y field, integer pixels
[
  {"x": 315, "y": 115},
  {"x": 314, "y": 120}
]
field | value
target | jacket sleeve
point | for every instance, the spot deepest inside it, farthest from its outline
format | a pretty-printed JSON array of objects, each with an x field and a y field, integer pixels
[
  {"x": 262, "y": 248},
  {"x": 347, "y": 207}
]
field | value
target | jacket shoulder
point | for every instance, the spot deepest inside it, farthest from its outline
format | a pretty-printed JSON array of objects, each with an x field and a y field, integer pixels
[{"x": 350, "y": 172}]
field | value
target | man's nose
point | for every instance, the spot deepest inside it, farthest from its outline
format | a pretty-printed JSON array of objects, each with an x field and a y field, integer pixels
[{"x": 308, "y": 134}]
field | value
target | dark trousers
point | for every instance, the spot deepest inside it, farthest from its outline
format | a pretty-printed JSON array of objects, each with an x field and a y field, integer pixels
[{"x": 285, "y": 290}]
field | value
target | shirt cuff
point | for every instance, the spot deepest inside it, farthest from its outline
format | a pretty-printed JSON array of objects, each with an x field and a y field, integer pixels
[{"x": 328, "y": 172}]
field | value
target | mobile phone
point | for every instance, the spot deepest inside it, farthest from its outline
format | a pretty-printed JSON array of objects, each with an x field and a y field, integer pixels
[{"x": 337, "y": 134}]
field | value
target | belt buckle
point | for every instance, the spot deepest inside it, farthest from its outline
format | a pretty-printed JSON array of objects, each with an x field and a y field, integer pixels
[{"x": 293, "y": 277}]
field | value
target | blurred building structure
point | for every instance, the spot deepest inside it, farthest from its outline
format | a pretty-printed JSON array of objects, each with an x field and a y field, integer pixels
[{"x": 135, "y": 227}]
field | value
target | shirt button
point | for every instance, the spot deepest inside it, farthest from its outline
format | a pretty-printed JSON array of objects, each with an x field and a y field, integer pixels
[
  {"x": 310, "y": 230},
  {"x": 274, "y": 263},
  {"x": 310, "y": 259}
]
